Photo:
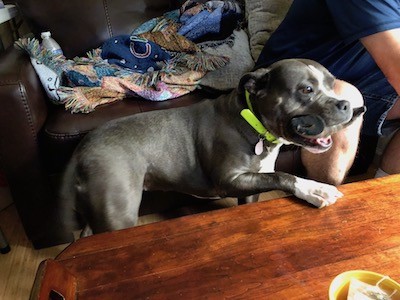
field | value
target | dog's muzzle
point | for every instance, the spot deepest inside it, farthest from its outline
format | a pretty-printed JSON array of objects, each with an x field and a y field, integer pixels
[
  {"x": 308, "y": 129},
  {"x": 308, "y": 125}
]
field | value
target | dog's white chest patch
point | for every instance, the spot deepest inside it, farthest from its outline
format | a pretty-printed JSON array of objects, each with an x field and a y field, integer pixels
[{"x": 267, "y": 165}]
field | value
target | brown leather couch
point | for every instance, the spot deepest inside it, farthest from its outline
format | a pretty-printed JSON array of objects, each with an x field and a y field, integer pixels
[{"x": 37, "y": 138}]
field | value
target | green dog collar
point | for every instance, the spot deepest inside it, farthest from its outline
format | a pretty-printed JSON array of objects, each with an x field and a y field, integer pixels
[{"x": 254, "y": 122}]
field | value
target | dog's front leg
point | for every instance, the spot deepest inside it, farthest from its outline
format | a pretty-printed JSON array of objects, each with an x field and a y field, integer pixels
[
  {"x": 316, "y": 193},
  {"x": 248, "y": 199}
]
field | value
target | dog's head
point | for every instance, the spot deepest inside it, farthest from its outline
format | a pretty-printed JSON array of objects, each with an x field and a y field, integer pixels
[{"x": 295, "y": 101}]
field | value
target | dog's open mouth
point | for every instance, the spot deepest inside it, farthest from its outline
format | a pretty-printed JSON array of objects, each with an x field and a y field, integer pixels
[
  {"x": 308, "y": 130},
  {"x": 318, "y": 145},
  {"x": 308, "y": 125}
]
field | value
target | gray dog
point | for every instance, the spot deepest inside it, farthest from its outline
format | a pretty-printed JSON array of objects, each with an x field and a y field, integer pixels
[{"x": 217, "y": 148}]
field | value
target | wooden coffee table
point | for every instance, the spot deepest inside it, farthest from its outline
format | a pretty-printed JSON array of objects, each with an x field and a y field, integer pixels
[{"x": 278, "y": 249}]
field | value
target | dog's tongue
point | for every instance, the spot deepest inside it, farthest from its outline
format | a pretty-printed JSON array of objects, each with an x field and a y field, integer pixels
[{"x": 324, "y": 142}]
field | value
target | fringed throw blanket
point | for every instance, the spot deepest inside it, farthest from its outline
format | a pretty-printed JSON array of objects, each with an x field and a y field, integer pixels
[{"x": 164, "y": 58}]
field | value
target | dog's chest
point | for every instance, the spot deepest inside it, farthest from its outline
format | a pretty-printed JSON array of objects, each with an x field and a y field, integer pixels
[{"x": 267, "y": 164}]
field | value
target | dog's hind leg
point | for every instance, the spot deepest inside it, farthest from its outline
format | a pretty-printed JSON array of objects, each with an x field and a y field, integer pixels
[
  {"x": 110, "y": 201},
  {"x": 113, "y": 207}
]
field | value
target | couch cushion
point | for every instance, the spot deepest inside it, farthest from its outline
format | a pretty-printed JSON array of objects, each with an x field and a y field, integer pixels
[
  {"x": 240, "y": 62},
  {"x": 263, "y": 17}
]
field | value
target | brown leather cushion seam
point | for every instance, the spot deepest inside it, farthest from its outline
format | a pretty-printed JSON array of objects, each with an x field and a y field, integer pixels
[{"x": 63, "y": 137}]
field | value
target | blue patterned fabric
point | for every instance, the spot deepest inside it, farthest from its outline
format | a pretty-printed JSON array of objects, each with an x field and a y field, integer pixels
[
  {"x": 137, "y": 54},
  {"x": 211, "y": 19}
]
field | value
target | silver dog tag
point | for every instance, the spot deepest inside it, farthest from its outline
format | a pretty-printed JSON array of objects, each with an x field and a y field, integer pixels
[{"x": 259, "y": 148}]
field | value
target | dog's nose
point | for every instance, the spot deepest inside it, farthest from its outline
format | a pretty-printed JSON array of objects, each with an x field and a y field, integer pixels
[
  {"x": 309, "y": 125},
  {"x": 343, "y": 105}
]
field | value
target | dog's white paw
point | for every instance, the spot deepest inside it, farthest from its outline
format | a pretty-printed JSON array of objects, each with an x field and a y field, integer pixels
[{"x": 316, "y": 193}]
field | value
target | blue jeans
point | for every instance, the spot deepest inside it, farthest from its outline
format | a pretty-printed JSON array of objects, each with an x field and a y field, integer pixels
[{"x": 379, "y": 97}]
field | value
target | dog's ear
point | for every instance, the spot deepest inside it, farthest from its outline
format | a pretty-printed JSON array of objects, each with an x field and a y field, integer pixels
[{"x": 254, "y": 81}]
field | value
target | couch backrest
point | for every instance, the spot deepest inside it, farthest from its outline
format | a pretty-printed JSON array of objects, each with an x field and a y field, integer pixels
[
  {"x": 81, "y": 25},
  {"x": 263, "y": 17}
]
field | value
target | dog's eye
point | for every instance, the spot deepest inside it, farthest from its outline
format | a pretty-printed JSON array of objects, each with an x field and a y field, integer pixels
[{"x": 307, "y": 90}]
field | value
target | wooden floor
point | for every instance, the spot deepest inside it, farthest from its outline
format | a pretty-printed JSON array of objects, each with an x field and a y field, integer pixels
[{"x": 18, "y": 267}]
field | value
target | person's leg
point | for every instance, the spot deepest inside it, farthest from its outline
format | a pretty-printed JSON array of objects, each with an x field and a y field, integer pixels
[
  {"x": 333, "y": 165},
  {"x": 390, "y": 163}
]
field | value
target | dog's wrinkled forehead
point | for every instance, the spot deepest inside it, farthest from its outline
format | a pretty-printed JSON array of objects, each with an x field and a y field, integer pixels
[
  {"x": 299, "y": 71},
  {"x": 289, "y": 74}
]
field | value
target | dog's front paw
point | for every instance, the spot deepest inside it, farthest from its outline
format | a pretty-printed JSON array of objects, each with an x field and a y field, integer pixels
[{"x": 316, "y": 193}]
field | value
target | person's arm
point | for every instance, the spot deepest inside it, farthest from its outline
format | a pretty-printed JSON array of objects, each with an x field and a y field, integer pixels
[{"x": 384, "y": 47}]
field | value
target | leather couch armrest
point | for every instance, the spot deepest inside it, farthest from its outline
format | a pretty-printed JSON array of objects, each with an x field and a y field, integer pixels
[
  {"x": 21, "y": 92},
  {"x": 22, "y": 115}
]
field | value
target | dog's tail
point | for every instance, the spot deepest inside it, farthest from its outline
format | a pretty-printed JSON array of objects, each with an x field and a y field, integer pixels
[{"x": 67, "y": 199}]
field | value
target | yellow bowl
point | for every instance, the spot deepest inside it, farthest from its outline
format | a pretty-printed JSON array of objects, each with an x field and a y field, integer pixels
[{"x": 339, "y": 287}]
